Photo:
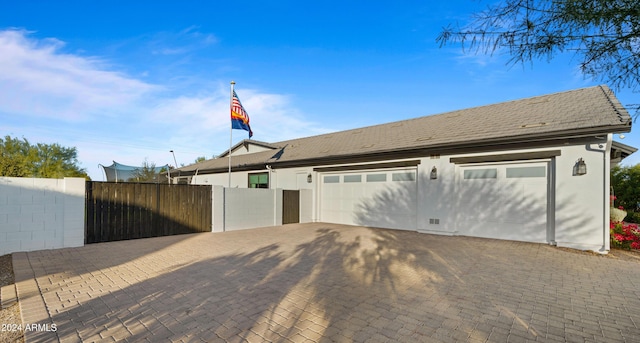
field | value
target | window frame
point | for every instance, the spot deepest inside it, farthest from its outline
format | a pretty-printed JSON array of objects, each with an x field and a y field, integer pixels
[{"x": 258, "y": 175}]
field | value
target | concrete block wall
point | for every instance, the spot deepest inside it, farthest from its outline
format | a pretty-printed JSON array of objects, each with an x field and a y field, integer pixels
[
  {"x": 217, "y": 210},
  {"x": 246, "y": 208},
  {"x": 40, "y": 213}
]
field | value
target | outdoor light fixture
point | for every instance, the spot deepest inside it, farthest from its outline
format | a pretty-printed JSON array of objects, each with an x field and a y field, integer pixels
[
  {"x": 434, "y": 173},
  {"x": 309, "y": 178},
  {"x": 580, "y": 167}
]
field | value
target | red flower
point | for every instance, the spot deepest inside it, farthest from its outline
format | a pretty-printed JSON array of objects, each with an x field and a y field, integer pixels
[{"x": 625, "y": 235}]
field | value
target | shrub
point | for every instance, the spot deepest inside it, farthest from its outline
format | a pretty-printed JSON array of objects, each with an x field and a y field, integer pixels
[
  {"x": 633, "y": 217},
  {"x": 625, "y": 235}
]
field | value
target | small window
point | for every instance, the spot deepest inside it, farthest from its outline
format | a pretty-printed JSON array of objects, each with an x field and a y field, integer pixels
[
  {"x": 518, "y": 172},
  {"x": 480, "y": 173},
  {"x": 409, "y": 176},
  {"x": 352, "y": 178},
  {"x": 376, "y": 177},
  {"x": 260, "y": 180},
  {"x": 332, "y": 179}
]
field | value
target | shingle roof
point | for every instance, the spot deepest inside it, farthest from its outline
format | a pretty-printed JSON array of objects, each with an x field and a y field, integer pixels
[
  {"x": 252, "y": 142},
  {"x": 581, "y": 112}
]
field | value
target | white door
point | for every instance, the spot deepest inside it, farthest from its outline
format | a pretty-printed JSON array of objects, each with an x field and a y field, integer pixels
[
  {"x": 376, "y": 198},
  {"x": 504, "y": 201}
]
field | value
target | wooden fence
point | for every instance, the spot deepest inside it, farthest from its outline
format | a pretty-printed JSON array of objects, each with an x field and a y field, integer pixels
[{"x": 124, "y": 210}]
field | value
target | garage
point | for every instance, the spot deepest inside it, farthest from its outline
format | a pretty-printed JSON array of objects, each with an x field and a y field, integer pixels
[
  {"x": 535, "y": 169},
  {"x": 504, "y": 201},
  {"x": 380, "y": 198}
]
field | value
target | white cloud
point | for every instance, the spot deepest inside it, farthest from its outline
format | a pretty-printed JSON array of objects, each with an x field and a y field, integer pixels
[
  {"x": 273, "y": 117},
  {"x": 38, "y": 80},
  {"x": 183, "y": 42},
  {"x": 48, "y": 95},
  {"x": 202, "y": 38},
  {"x": 201, "y": 123}
]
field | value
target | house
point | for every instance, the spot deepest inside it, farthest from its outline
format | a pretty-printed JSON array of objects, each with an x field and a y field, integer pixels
[{"x": 533, "y": 170}]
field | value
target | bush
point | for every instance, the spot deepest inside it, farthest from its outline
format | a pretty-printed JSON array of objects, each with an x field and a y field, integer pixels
[
  {"x": 625, "y": 235},
  {"x": 633, "y": 217}
]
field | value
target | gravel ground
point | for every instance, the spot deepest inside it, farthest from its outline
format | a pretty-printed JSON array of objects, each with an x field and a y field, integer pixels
[{"x": 10, "y": 315}]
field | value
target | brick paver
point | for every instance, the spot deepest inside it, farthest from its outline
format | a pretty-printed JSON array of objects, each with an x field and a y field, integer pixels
[{"x": 326, "y": 283}]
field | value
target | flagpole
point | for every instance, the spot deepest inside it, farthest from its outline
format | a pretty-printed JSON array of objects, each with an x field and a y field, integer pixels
[{"x": 230, "y": 129}]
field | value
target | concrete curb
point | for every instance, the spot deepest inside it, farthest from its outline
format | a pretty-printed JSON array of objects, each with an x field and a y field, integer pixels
[{"x": 32, "y": 307}]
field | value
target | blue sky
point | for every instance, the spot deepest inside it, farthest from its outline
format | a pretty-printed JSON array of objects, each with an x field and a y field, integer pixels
[{"x": 129, "y": 81}]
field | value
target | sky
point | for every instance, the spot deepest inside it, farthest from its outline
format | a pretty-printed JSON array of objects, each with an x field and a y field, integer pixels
[{"x": 131, "y": 81}]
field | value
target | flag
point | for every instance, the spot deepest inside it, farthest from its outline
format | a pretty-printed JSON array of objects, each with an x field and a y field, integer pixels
[{"x": 239, "y": 117}]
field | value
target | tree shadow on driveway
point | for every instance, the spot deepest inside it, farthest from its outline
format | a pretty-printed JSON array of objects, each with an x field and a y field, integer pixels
[{"x": 326, "y": 282}]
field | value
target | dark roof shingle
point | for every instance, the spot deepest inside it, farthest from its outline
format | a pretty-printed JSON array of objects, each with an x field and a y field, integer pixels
[{"x": 586, "y": 111}]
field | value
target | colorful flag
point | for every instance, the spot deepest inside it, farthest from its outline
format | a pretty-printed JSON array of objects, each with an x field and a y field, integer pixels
[{"x": 239, "y": 117}]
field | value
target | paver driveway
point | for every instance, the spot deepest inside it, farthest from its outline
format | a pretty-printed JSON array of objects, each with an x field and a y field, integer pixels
[{"x": 324, "y": 282}]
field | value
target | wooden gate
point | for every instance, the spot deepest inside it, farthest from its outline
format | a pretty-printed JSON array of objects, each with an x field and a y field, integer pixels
[
  {"x": 290, "y": 207},
  {"x": 125, "y": 210}
]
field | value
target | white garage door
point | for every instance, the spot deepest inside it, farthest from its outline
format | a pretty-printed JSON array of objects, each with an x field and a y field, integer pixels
[
  {"x": 505, "y": 201},
  {"x": 380, "y": 198}
]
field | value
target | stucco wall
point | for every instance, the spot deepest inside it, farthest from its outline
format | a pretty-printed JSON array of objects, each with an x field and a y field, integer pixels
[
  {"x": 578, "y": 215},
  {"x": 306, "y": 206},
  {"x": 248, "y": 149},
  {"x": 40, "y": 214},
  {"x": 581, "y": 208},
  {"x": 437, "y": 199},
  {"x": 238, "y": 179},
  {"x": 578, "y": 204}
]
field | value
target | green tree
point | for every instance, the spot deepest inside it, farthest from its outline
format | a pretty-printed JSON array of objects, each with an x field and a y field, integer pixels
[
  {"x": 200, "y": 159},
  {"x": 14, "y": 157},
  {"x": 20, "y": 158},
  {"x": 603, "y": 35},
  {"x": 148, "y": 172},
  {"x": 625, "y": 182}
]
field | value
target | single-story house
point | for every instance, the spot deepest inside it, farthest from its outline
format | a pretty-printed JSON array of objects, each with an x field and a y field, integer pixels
[{"x": 534, "y": 169}]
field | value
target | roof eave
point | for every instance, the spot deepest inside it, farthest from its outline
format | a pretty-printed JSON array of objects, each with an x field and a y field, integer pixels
[
  {"x": 522, "y": 141},
  {"x": 500, "y": 143}
]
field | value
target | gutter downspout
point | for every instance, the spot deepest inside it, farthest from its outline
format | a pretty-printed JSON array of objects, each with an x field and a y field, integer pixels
[
  {"x": 606, "y": 239},
  {"x": 193, "y": 178}
]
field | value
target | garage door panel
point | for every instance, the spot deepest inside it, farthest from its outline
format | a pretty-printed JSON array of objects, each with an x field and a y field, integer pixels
[
  {"x": 510, "y": 203},
  {"x": 482, "y": 201},
  {"x": 380, "y": 199}
]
